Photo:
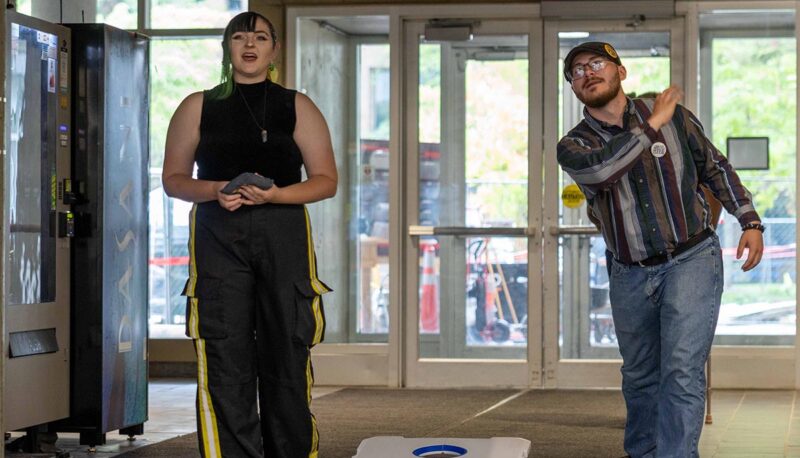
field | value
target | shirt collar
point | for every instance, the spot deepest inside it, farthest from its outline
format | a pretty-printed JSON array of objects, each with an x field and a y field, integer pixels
[{"x": 603, "y": 128}]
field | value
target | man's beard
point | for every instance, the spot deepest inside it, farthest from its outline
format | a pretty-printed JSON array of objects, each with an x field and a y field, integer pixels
[{"x": 599, "y": 100}]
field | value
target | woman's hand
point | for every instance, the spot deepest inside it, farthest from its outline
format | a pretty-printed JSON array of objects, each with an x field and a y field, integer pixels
[
  {"x": 253, "y": 195},
  {"x": 230, "y": 202}
]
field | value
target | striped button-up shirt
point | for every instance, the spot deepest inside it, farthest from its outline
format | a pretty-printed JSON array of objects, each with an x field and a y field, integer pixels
[{"x": 647, "y": 205}]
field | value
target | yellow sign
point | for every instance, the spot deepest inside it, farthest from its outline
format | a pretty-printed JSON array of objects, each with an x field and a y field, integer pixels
[{"x": 572, "y": 196}]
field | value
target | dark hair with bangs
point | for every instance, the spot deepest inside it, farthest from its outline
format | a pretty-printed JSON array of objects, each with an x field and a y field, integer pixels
[{"x": 242, "y": 22}]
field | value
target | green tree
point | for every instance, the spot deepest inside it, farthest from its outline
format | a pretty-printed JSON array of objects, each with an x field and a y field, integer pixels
[
  {"x": 171, "y": 80},
  {"x": 754, "y": 86},
  {"x": 430, "y": 93},
  {"x": 646, "y": 74},
  {"x": 497, "y": 139}
]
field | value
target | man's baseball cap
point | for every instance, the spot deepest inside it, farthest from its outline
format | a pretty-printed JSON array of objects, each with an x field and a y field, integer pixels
[{"x": 594, "y": 47}]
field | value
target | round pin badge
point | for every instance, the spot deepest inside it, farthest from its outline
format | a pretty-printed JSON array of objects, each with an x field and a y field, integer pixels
[
  {"x": 658, "y": 149},
  {"x": 610, "y": 51}
]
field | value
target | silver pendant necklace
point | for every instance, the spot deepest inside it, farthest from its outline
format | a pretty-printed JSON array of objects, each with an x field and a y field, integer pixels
[{"x": 264, "y": 128}]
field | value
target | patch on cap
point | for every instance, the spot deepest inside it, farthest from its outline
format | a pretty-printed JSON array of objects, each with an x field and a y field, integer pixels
[{"x": 610, "y": 51}]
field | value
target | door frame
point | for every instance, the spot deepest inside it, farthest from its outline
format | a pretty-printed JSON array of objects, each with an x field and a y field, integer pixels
[
  {"x": 435, "y": 372},
  {"x": 579, "y": 372},
  {"x": 385, "y": 363},
  {"x": 737, "y": 366}
]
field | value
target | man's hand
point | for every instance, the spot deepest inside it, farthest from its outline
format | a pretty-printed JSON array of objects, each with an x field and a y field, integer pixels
[
  {"x": 664, "y": 106},
  {"x": 753, "y": 240}
]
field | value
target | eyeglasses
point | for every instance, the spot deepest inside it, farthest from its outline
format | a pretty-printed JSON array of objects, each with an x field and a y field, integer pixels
[{"x": 579, "y": 71}]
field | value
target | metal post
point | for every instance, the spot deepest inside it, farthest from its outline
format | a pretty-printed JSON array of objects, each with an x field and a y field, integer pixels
[{"x": 709, "y": 418}]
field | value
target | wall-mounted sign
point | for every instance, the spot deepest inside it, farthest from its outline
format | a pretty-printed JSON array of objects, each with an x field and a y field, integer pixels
[
  {"x": 748, "y": 153},
  {"x": 572, "y": 196}
]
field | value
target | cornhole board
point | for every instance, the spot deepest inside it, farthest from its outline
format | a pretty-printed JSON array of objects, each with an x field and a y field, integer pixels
[{"x": 402, "y": 447}]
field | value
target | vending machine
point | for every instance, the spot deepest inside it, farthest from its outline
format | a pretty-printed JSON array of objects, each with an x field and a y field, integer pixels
[
  {"x": 37, "y": 222},
  {"x": 110, "y": 247},
  {"x": 75, "y": 177}
]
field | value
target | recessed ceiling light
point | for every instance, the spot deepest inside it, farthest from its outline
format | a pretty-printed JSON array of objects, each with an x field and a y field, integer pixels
[{"x": 573, "y": 34}]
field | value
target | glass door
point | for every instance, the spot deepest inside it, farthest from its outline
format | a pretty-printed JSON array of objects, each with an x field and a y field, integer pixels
[
  {"x": 580, "y": 341},
  {"x": 472, "y": 192},
  {"x": 758, "y": 307}
]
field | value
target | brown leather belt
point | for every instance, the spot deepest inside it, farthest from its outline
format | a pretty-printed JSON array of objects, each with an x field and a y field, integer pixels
[{"x": 681, "y": 248}]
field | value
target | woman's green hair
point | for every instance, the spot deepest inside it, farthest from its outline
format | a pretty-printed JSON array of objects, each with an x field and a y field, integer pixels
[{"x": 242, "y": 22}]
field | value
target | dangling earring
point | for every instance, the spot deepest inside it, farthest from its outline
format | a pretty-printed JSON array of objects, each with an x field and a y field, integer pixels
[{"x": 273, "y": 72}]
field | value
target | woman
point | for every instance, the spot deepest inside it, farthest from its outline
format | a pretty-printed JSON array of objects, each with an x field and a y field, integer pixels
[{"x": 253, "y": 298}]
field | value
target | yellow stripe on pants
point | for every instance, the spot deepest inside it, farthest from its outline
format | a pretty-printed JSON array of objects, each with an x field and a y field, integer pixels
[
  {"x": 317, "y": 285},
  {"x": 319, "y": 288},
  {"x": 192, "y": 285},
  {"x": 205, "y": 407},
  {"x": 314, "y": 431}
]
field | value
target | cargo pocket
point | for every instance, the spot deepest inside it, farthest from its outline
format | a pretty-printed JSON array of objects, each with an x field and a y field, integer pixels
[
  {"x": 205, "y": 312},
  {"x": 309, "y": 319}
]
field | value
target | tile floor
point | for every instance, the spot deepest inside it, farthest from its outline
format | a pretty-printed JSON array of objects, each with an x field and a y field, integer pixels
[
  {"x": 752, "y": 424},
  {"x": 746, "y": 424},
  {"x": 171, "y": 414}
]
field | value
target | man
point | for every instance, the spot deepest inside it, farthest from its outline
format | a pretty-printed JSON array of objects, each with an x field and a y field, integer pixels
[{"x": 641, "y": 163}]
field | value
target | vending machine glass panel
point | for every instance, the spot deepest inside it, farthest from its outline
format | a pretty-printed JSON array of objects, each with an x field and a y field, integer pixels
[{"x": 32, "y": 183}]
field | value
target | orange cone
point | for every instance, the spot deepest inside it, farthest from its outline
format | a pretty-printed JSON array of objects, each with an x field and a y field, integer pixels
[{"x": 429, "y": 295}]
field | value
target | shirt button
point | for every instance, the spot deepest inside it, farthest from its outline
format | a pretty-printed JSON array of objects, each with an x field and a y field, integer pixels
[
  {"x": 647, "y": 205},
  {"x": 654, "y": 229},
  {"x": 641, "y": 181}
]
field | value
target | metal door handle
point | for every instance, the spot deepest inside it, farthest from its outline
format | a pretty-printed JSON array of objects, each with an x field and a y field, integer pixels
[
  {"x": 574, "y": 230},
  {"x": 416, "y": 231}
]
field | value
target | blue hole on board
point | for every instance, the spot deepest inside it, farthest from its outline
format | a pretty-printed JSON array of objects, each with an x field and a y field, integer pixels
[{"x": 441, "y": 448}]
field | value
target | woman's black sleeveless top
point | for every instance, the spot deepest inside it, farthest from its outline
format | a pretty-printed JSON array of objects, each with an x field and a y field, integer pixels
[{"x": 231, "y": 142}]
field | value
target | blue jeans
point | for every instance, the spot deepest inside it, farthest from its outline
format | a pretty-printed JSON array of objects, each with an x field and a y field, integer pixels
[{"x": 665, "y": 317}]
